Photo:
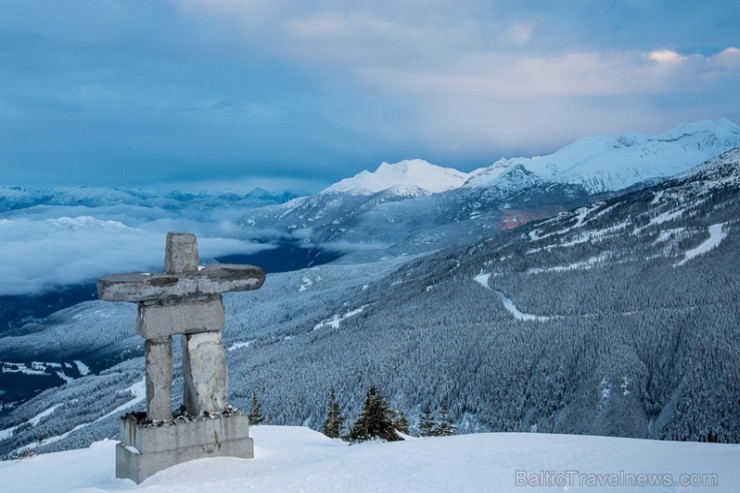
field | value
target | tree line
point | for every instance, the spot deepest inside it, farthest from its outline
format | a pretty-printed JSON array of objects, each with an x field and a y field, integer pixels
[{"x": 376, "y": 421}]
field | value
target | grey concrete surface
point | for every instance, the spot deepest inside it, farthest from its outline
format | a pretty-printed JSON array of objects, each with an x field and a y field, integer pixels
[{"x": 163, "y": 318}]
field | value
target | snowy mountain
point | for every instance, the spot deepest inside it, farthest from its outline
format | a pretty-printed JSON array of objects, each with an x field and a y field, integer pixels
[
  {"x": 612, "y": 163},
  {"x": 416, "y": 206},
  {"x": 408, "y": 218},
  {"x": 618, "y": 318},
  {"x": 409, "y": 177},
  {"x": 297, "y": 459}
]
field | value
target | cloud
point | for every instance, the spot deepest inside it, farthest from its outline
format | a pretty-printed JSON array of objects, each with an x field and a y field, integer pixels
[
  {"x": 43, "y": 250},
  {"x": 580, "y": 74},
  {"x": 500, "y": 74},
  {"x": 728, "y": 59},
  {"x": 518, "y": 33},
  {"x": 666, "y": 56},
  {"x": 130, "y": 93}
]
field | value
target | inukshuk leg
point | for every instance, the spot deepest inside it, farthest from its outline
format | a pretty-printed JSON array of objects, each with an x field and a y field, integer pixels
[
  {"x": 204, "y": 372},
  {"x": 158, "y": 369}
]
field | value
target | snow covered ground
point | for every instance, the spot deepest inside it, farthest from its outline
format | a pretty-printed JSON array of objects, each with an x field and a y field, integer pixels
[
  {"x": 482, "y": 279},
  {"x": 716, "y": 235},
  {"x": 296, "y": 459}
]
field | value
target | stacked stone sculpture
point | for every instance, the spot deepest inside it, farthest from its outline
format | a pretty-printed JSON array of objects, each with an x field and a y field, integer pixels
[{"x": 185, "y": 300}]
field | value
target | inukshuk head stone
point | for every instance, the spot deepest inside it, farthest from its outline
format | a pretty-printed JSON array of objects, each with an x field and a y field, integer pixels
[{"x": 185, "y": 300}]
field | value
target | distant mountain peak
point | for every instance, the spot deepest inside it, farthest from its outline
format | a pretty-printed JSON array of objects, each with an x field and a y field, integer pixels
[{"x": 404, "y": 176}]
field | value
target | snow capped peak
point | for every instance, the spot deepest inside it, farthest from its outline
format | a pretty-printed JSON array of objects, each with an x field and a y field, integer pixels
[
  {"x": 614, "y": 163},
  {"x": 719, "y": 126},
  {"x": 416, "y": 175},
  {"x": 504, "y": 174}
]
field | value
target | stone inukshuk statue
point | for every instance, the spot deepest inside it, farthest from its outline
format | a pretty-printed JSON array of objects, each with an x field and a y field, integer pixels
[{"x": 185, "y": 300}]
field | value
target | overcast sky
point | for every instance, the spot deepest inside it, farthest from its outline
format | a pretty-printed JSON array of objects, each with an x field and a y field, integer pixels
[{"x": 294, "y": 93}]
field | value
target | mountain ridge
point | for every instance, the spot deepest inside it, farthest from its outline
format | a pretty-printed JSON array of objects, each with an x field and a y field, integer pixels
[
  {"x": 615, "y": 162},
  {"x": 386, "y": 207}
]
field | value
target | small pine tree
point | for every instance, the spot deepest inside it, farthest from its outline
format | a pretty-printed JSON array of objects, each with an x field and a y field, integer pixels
[
  {"x": 334, "y": 420},
  {"x": 375, "y": 421},
  {"x": 427, "y": 424},
  {"x": 255, "y": 415},
  {"x": 400, "y": 421},
  {"x": 446, "y": 425}
]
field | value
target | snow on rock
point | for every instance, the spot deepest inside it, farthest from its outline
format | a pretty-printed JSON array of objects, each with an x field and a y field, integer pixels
[
  {"x": 291, "y": 459},
  {"x": 406, "y": 178},
  {"x": 716, "y": 235}
]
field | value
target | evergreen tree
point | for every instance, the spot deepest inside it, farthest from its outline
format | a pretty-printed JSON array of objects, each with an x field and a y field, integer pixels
[
  {"x": 427, "y": 424},
  {"x": 400, "y": 421},
  {"x": 375, "y": 421},
  {"x": 334, "y": 420},
  {"x": 446, "y": 426},
  {"x": 255, "y": 415}
]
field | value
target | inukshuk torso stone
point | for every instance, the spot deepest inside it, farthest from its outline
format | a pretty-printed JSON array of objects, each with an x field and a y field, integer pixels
[{"x": 185, "y": 300}]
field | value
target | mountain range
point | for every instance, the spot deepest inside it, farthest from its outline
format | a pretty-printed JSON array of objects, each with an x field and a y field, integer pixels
[
  {"x": 18, "y": 198},
  {"x": 617, "y": 317},
  {"x": 416, "y": 205}
]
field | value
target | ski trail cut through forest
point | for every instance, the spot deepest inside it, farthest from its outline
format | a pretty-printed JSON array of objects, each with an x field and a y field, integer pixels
[
  {"x": 482, "y": 279},
  {"x": 139, "y": 393},
  {"x": 7, "y": 433},
  {"x": 716, "y": 235}
]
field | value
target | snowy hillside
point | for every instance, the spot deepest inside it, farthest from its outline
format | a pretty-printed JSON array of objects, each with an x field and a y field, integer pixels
[
  {"x": 416, "y": 176},
  {"x": 614, "y": 163},
  {"x": 292, "y": 459}
]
